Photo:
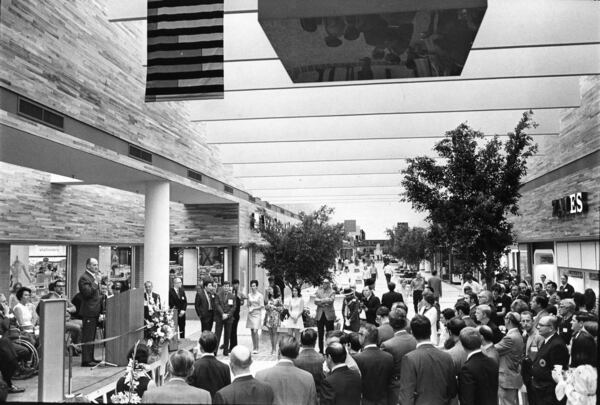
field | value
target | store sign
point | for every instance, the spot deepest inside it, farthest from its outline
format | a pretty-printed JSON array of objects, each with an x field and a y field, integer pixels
[
  {"x": 47, "y": 250},
  {"x": 571, "y": 205}
]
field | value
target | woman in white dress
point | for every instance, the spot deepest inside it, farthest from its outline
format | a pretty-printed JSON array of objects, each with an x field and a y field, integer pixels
[
  {"x": 430, "y": 311},
  {"x": 295, "y": 306},
  {"x": 25, "y": 314},
  {"x": 255, "y": 306}
]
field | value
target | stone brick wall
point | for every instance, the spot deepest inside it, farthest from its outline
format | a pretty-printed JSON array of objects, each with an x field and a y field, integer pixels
[{"x": 69, "y": 57}]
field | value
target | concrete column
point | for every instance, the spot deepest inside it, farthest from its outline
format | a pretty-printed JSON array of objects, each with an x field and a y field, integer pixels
[{"x": 156, "y": 238}]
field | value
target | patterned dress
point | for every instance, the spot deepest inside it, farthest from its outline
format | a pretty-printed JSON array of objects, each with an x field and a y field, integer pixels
[{"x": 274, "y": 309}]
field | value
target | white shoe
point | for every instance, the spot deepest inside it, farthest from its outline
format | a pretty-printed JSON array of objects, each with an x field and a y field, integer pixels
[{"x": 254, "y": 351}]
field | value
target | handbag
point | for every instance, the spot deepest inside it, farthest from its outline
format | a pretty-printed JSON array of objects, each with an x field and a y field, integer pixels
[{"x": 285, "y": 314}]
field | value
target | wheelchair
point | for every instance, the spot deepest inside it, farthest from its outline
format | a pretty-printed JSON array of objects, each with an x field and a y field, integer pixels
[{"x": 23, "y": 343}]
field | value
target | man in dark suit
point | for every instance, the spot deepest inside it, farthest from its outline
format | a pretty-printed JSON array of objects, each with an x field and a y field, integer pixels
[
  {"x": 204, "y": 304},
  {"x": 225, "y": 304},
  {"x": 483, "y": 315},
  {"x": 565, "y": 290},
  {"x": 401, "y": 343},
  {"x": 240, "y": 297},
  {"x": 244, "y": 389},
  {"x": 342, "y": 386},
  {"x": 177, "y": 390},
  {"x": 478, "y": 378},
  {"x": 427, "y": 374},
  {"x": 209, "y": 373},
  {"x": 388, "y": 299},
  {"x": 370, "y": 305},
  {"x": 152, "y": 301},
  {"x": 385, "y": 330},
  {"x": 552, "y": 352},
  {"x": 463, "y": 312},
  {"x": 582, "y": 342},
  {"x": 309, "y": 359},
  {"x": 376, "y": 368},
  {"x": 178, "y": 301},
  {"x": 91, "y": 306}
]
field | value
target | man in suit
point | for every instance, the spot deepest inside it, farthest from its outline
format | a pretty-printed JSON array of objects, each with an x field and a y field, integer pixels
[
  {"x": 399, "y": 345},
  {"x": 487, "y": 344},
  {"x": 565, "y": 290},
  {"x": 350, "y": 311},
  {"x": 510, "y": 350},
  {"x": 388, "y": 299},
  {"x": 376, "y": 368},
  {"x": 209, "y": 373},
  {"x": 370, "y": 305},
  {"x": 177, "y": 390},
  {"x": 463, "y": 311},
  {"x": 457, "y": 352},
  {"x": 384, "y": 330},
  {"x": 91, "y": 306},
  {"x": 225, "y": 304},
  {"x": 424, "y": 366},
  {"x": 582, "y": 342},
  {"x": 342, "y": 386},
  {"x": 204, "y": 303},
  {"x": 244, "y": 389},
  {"x": 240, "y": 297},
  {"x": 324, "y": 299},
  {"x": 152, "y": 301},
  {"x": 436, "y": 285},
  {"x": 552, "y": 352},
  {"x": 566, "y": 309},
  {"x": 478, "y": 378},
  {"x": 309, "y": 359},
  {"x": 483, "y": 315},
  {"x": 532, "y": 341},
  {"x": 290, "y": 384},
  {"x": 178, "y": 301}
]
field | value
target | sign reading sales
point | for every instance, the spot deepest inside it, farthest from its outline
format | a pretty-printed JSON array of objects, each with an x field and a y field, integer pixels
[{"x": 571, "y": 205}]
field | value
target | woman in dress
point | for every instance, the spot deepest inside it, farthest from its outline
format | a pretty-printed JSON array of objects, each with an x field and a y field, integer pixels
[
  {"x": 430, "y": 311},
  {"x": 25, "y": 314},
  {"x": 579, "y": 382},
  {"x": 255, "y": 306},
  {"x": 274, "y": 307},
  {"x": 295, "y": 307}
]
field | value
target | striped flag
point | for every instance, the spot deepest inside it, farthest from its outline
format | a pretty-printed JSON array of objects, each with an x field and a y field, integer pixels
[{"x": 185, "y": 50}]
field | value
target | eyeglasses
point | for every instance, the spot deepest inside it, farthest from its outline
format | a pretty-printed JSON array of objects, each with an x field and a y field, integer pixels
[{"x": 540, "y": 325}]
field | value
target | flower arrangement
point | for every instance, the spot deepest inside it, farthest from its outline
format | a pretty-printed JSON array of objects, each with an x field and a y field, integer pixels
[
  {"x": 125, "y": 398},
  {"x": 160, "y": 329},
  {"x": 133, "y": 372}
]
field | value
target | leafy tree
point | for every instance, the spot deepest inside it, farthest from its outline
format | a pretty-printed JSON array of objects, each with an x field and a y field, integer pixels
[
  {"x": 410, "y": 244},
  {"x": 304, "y": 252},
  {"x": 469, "y": 191}
]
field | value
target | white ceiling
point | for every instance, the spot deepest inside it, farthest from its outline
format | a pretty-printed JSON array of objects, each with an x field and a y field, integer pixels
[{"x": 344, "y": 143}]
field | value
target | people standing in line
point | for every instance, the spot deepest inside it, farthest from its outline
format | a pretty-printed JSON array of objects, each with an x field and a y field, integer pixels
[
  {"x": 204, "y": 303},
  {"x": 553, "y": 352},
  {"x": 350, "y": 311},
  {"x": 209, "y": 373},
  {"x": 274, "y": 308},
  {"x": 376, "y": 367},
  {"x": 176, "y": 390},
  {"x": 324, "y": 299},
  {"x": 424, "y": 365},
  {"x": 478, "y": 378},
  {"x": 178, "y": 301},
  {"x": 510, "y": 351},
  {"x": 342, "y": 386},
  {"x": 436, "y": 285},
  {"x": 295, "y": 306},
  {"x": 91, "y": 303},
  {"x": 370, "y": 303},
  {"x": 417, "y": 285},
  {"x": 309, "y": 359},
  {"x": 244, "y": 389},
  {"x": 290, "y": 384},
  {"x": 225, "y": 303},
  {"x": 240, "y": 298},
  {"x": 256, "y": 303},
  {"x": 389, "y": 298}
]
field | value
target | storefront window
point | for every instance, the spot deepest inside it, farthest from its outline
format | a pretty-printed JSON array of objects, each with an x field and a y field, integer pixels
[{"x": 115, "y": 265}]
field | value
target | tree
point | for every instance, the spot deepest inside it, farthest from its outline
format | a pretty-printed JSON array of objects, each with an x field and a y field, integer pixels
[
  {"x": 470, "y": 190},
  {"x": 304, "y": 252},
  {"x": 410, "y": 244}
]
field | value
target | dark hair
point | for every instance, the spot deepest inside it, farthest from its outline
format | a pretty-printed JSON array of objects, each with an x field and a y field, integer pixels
[
  {"x": 433, "y": 272},
  {"x": 474, "y": 297},
  {"x": 337, "y": 352},
  {"x": 308, "y": 337},
  {"x": 289, "y": 347},
  {"x": 462, "y": 306},
  {"x": 335, "y": 333},
  {"x": 52, "y": 286},
  {"x": 565, "y": 276},
  {"x": 208, "y": 341},
  {"x": 585, "y": 352},
  {"x": 225, "y": 282},
  {"x": 21, "y": 291},
  {"x": 591, "y": 327},
  {"x": 486, "y": 332},
  {"x": 519, "y": 306},
  {"x": 421, "y": 327},
  {"x": 181, "y": 363},
  {"x": 430, "y": 299},
  {"x": 141, "y": 354},
  {"x": 382, "y": 311},
  {"x": 235, "y": 281},
  {"x": 583, "y": 316},
  {"x": 455, "y": 325},
  {"x": 579, "y": 300},
  {"x": 397, "y": 319},
  {"x": 354, "y": 340},
  {"x": 541, "y": 300},
  {"x": 551, "y": 309},
  {"x": 552, "y": 283},
  {"x": 391, "y": 286},
  {"x": 470, "y": 338},
  {"x": 590, "y": 299},
  {"x": 371, "y": 335},
  {"x": 88, "y": 261},
  {"x": 448, "y": 313},
  {"x": 297, "y": 290},
  {"x": 253, "y": 282}
]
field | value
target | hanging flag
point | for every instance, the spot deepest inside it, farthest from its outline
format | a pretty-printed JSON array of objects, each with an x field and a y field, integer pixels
[{"x": 185, "y": 50}]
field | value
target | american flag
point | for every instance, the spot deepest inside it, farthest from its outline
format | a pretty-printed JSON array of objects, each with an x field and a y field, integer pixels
[{"x": 185, "y": 50}]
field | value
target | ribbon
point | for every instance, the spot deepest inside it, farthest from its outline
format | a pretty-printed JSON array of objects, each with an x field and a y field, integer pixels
[{"x": 95, "y": 342}]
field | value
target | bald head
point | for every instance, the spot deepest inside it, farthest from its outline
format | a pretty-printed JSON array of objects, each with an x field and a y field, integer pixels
[{"x": 240, "y": 359}]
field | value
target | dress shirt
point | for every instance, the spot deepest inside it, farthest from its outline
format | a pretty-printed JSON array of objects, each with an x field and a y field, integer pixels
[
  {"x": 367, "y": 346},
  {"x": 548, "y": 338},
  {"x": 241, "y": 375},
  {"x": 208, "y": 300},
  {"x": 426, "y": 342},
  {"x": 472, "y": 353},
  {"x": 338, "y": 366}
]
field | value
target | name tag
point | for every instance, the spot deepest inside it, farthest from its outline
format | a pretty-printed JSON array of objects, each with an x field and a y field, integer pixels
[
  {"x": 499, "y": 305},
  {"x": 534, "y": 349},
  {"x": 565, "y": 330},
  {"x": 230, "y": 302}
]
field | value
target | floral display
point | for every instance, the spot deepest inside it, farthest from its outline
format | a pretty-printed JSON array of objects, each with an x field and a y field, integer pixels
[
  {"x": 133, "y": 372},
  {"x": 160, "y": 329}
]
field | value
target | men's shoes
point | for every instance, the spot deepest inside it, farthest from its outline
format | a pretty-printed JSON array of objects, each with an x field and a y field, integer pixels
[
  {"x": 90, "y": 364},
  {"x": 222, "y": 347},
  {"x": 13, "y": 389},
  {"x": 24, "y": 373}
]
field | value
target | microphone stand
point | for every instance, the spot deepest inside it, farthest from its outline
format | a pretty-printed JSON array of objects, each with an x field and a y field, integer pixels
[{"x": 103, "y": 362}]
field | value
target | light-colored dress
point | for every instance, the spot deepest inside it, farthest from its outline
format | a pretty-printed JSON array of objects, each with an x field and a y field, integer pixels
[
  {"x": 579, "y": 386},
  {"x": 255, "y": 302},
  {"x": 26, "y": 316},
  {"x": 295, "y": 305},
  {"x": 431, "y": 314}
]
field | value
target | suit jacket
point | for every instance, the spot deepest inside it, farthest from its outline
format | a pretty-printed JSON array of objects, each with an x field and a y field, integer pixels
[
  {"x": 310, "y": 360},
  {"x": 157, "y": 302},
  {"x": 325, "y": 307},
  {"x": 245, "y": 390},
  {"x": 91, "y": 298},
  {"x": 436, "y": 284},
  {"x": 201, "y": 303},
  {"x": 478, "y": 381},
  {"x": 491, "y": 352},
  {"x": 459, "y": 356},
  {"x": 210, "y": 374},
  {"x": 385, "y": 332},
  {"x": 580, "y": 345},
  {"x": 420, "y": 369},
  {"x": 341, "y": 387},
  {"x": 388, "y": 299},
  {"x": 496, "y": 331},
  {"x": 291, "y": 385},
  {"x": 371, "y": 306},
  {"x": 565, "y": 291},
  {"x": 398, "y": 346},
  {"x": 549, "y": 354},
  {"x": 176, "y": 392},
  {"x": 565, "y": 330},
  {"x": 510, "y": 350},
  {"x": 177, "y": 299},
  {"x": 353, "y": 307},
  {"x": 225, "y": 304},
  {"x": 376, "y": 368}
]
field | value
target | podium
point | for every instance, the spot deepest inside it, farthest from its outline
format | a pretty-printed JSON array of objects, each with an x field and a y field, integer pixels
[{"x": 124, "y": 314}]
